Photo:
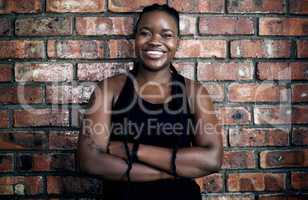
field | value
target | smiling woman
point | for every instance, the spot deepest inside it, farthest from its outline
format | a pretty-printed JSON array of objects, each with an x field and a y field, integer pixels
[{"x": 146, "y": 162}]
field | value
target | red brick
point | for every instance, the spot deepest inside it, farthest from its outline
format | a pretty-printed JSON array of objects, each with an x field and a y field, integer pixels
[
  {"x": 300, "y": 93},
  {"x": 5, "y": 72},
  {"x": 300, "y": 114},
  {"x": 70, "y": 184},
  {"x": 121, "y": 48},
  {"x": 41, "y": 117},
  {"x": 68, "y": 94},
  {"x": 282, "y": 197},
  {"x": 258, "y": 137},
  {"x": 20, "y": 6},
  {"x": 299, "y": 180},
  {"x": 252, "y": 6},
  {"x": 284, "y": 158},
  {"x": 202, "y": 48},
  {"x": 234, "y": 115},
  {"x": 238, "y": 160},
  {"x": 272, "y": 114},
  {"x": 260, "y": 48},
  {"x": 5, "y": 27},
  {"x": 44, "y": 26},
  {"x": 104, "y": 25},
  {"x": 22, "y": 49},
  {"x": 256, "y": 182},
  {"x": 230, "y": 196},
  {"x": 225, "y": 71},
  {"x": 300, "y": 136},
  {"x": 44, "y": 72},
  {"x": 204, "y": 6},
  {"x": 6, "y": 162},
  {"x": 213, "y": 183},
  {"x": 215, "y": 90},
  {"x": 63, "y": 140},
  {"x": 100, "y": 71},
  {"x": 188, "y": 25},
  {"x": 4, "y": 119},
  {"x": 131, "y": 5},
  {"x": 253, "y": 92},
  {"x": 22, "y": 185},
  {"x": 21, "y": 95},
  {"x": 63, "y": 6},
  {"x": 186, "y": 69},
  {"x": 299, "y": 6},
  {"x": 86, "y": 49},
  {"x": 302, "y": 48},
  {"x": 219, "y": 25},
  {"x": 24, "y": 140},
  {"x": 282, "y": 71},
  {"x": 281, "y": 26}
]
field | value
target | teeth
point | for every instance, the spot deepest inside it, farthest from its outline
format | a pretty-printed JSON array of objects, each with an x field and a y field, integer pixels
[{"x": 155, "y": 52}]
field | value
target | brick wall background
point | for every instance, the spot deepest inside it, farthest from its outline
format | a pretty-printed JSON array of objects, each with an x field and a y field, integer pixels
[{"x": 250, "y": 54}]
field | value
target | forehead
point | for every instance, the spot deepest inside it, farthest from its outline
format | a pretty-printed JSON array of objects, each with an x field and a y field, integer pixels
[{"x": 158, "y": 19}]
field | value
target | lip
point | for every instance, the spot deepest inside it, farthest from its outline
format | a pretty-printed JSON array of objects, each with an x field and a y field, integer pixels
[{"x": 154, "y": 53}]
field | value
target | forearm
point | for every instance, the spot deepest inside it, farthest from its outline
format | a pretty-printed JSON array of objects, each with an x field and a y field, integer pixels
[
  {"x": 114, "y": 168},
  {"x": 190, "y": 162}
]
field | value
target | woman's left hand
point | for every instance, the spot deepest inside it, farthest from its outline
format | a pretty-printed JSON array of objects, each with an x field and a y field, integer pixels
[{"x": 117, "y": 148}]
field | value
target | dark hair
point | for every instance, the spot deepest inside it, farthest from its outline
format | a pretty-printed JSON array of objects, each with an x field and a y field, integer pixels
[{"x": 157, "y": 7}]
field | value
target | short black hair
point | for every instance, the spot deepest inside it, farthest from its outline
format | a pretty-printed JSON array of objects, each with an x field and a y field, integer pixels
[{"x": 158, "y": 7}]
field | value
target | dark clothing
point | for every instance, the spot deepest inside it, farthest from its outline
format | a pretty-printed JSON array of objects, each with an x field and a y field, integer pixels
[{"x": 163, "y": 129}]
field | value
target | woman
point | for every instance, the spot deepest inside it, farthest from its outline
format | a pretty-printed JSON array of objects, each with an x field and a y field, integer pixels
[{"x": 161, "y": 132}]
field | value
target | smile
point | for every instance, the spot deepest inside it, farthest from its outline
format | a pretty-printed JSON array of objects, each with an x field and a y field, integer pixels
[{"x": 154, "y": 54}]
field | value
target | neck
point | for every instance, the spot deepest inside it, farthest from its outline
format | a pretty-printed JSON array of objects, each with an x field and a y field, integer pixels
[{"x": 161, "y": 77}]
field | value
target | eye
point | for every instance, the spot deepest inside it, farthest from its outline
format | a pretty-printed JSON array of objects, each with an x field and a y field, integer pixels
[
  {"x": 167, "y": 35},
  {"x": 144, "y": 33}
]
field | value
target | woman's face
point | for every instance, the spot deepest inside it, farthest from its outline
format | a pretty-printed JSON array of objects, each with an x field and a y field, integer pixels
[{"x": 156, "y": 40}]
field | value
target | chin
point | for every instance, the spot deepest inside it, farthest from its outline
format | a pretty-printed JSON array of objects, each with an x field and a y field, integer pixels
[{"x": 156, "y": 65}]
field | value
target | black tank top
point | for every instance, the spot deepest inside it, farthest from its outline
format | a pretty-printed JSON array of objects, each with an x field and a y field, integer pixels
[{"x": 163, "y": 124}]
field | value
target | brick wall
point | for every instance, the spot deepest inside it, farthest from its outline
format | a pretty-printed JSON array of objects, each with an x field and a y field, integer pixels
[{"x": 250, "y": 54}]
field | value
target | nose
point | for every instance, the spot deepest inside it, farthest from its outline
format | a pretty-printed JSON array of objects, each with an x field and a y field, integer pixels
[{"x": 155, "y": 40}]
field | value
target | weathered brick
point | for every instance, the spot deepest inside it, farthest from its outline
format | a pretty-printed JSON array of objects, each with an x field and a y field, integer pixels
[
  {"x": 21, "y": 95},
  {"x": 272, "y": 114},
  {"x": 299, "y": 6},
  {"x": 300, "y": 136},
  {"x": 22, "y": 185},
  {"x": 299, "y": 180},
  {"x": 252, "y": 6},
  {"x": 4, "y": 119},
  {"x": 131, "y": 5},
  {"x": 188, "y": 25},
  {"x": 63, "y": 185},
  {"x": 225, "y": 71},
  {"x": 62, "y": 6},
  {"x": 258, "y": 137},
  {"x": 41, "y": 117},
  {"x": 100, "y": 71},
  {"x": 302, "y": 48},
  {"x": 230, "y": 196},
  {"x": 85, "y": 49},
  {"x": 215, "y": 90},
  {"x": 204, "y": 6},
  {"x": 68, "y": 93},
  {"x": 24, "y": 140},
  {"x": 284, "y": 158},
  {"x": 5, "y": 27},
  {"x": 234, "y": 115},
  {"x": 254, "y": 92},
  {"x": 121, "y": 48},
  {"x": 300, "y": 93},
  {"x": 43, "y": 72},
  {"x": 22, "y": 49},
  {"x": 202, "y": 48},
  {"x": 220, "y": 25},
  {"x": 20, "y": 6},
  {"x": 256, "y": 182},
  {"x": 300, "y": 114},
  {"x": 282, "y": 70},
  {"x": 213, "y": 183},
  {"x": 283, "y": 26},
  {"x": 6, "y": 162},
  {"x": 104, "y": 25},
  {"x": 260, "y": 48},
  {"x": 63, "y": 140},
  {"x": 42, "y": 26},
  {"x": 5, "y": 72},
  {"x": 238, "y": 160},
  {"x": 282, "y": 197}
]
